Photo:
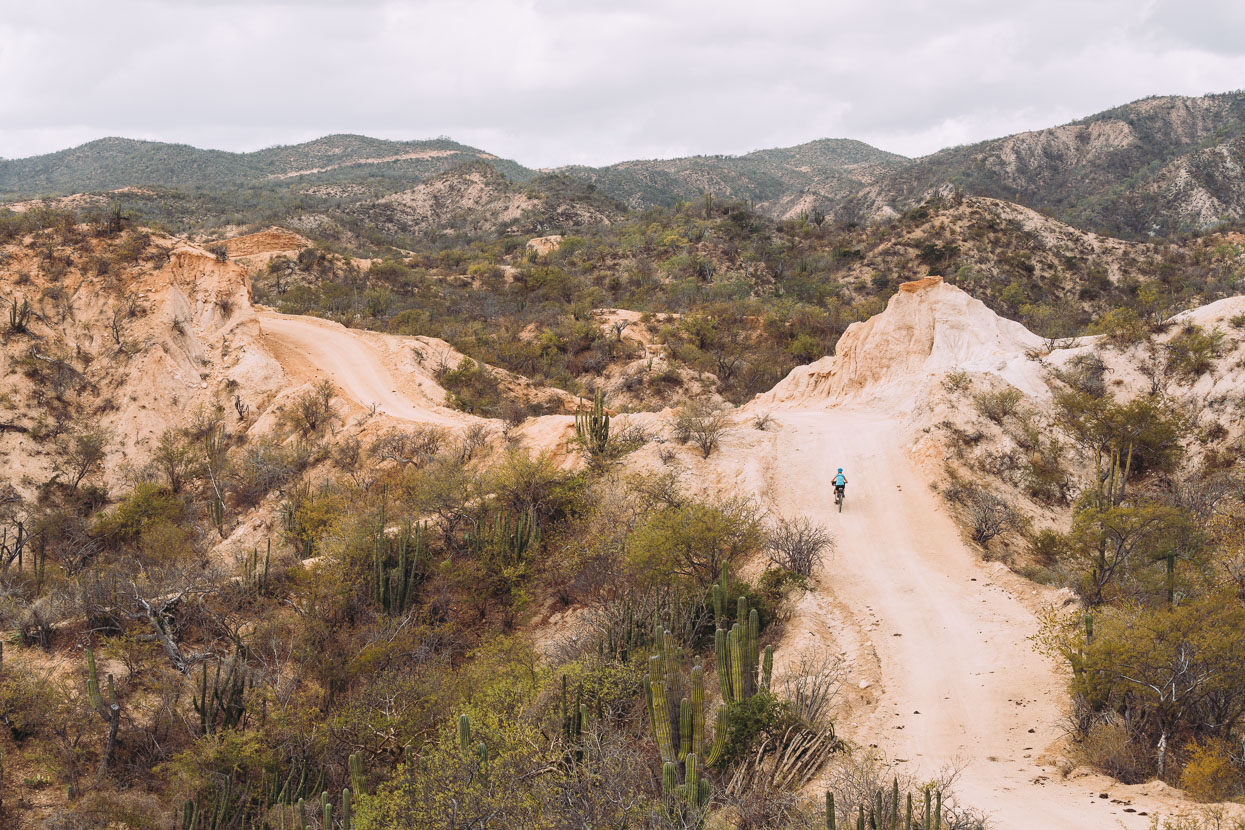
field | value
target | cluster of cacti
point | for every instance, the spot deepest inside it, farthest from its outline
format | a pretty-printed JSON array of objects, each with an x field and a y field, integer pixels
[
  {"x": 222, "y": 705},
  {"x": 19, "y": 316},
  {"x": 516, "y": 535},
  {"x": 464, "y": 742},
  {"x": 394, "y": 586},
  {"x": 737, "y": 650},
  {"x": 891, "y": 813},
  {"x": 573, "y": 724},
  {"x": 592, "y": 427},
  {"x": 621, "y": 640},
  {"x": 256, "y": 571},
  {"x": 227, "y": 808},
  {"x": 678, "y": 722}
]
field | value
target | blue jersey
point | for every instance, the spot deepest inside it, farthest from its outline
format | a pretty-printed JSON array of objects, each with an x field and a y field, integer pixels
[{"x": 839, "y": 480}]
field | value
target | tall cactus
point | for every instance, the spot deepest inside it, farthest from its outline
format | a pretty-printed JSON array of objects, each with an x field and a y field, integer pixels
[
  {"x": 678, "y": 723},
  {"x": 222, "y": 704},
  {"x": 516, "y": 535},
  {"x": 737, "y": 649},
  {"x": 592, "y": 428},
  {"x": 358, "y": 777},
  {"x": 573, "y": 720},
  {"x": 393, "y": 588},
  {"x": 18, "y": 316},
  {"x": 893, "y": 812}
]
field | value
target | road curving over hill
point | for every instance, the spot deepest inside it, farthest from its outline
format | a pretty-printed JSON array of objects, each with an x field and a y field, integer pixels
[{"x": 310, "y": 349}]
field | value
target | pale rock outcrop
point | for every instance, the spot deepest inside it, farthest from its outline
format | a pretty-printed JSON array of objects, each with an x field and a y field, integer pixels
[{"x": 928, "y": 328}]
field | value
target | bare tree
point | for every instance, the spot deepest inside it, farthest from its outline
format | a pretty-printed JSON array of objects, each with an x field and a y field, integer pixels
[
  {"x": 989, "y": 514},
  {"x": 83, "y": 454},
  {"x": 798, "y": 544},
  {"x": 700, "y": 423}
]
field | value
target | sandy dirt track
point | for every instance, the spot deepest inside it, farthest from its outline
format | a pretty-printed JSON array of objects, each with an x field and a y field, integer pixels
[
  {"x": 310, "y": 348},
  {"x": 944, "y": 635}
]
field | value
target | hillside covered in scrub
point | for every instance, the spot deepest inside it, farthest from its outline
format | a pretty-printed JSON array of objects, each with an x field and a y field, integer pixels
[{"x": 373, "y": 485}]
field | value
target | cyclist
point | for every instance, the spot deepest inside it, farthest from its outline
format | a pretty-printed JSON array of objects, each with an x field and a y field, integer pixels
[{"x": 840, "y": 484}]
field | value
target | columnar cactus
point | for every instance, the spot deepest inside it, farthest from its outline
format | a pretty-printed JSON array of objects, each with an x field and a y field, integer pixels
[
  {"x": 394, "y": 588},
  {"x": 592, "y": 428},
  {"x": 573, "y": 720},
  {"x": 358, "y": 778},
  {"x": 890, "y": 812},
  {"x": 223, "y": 703},
  {"x": 737, "y": 647},
  {"x": 678, "y": 724}
]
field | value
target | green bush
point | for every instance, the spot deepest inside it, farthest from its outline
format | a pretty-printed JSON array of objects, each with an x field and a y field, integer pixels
[
  {"x": 694, "y": 540},
  {"x": 755, "y": 717},
  {"x": 149, "y": 505},
  {"x": 1120, "y": 327},
  {"x": 472, "y": 388},
  {"x": 998, "y": 404},
  {"x": 1192, "y": 352}
]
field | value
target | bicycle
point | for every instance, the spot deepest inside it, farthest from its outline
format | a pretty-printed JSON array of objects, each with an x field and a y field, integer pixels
[{"x": 838, "y": 498}]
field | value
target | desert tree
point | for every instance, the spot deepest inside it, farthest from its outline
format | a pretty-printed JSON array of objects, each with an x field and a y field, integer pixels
[
  {"x": 797, "y": 545},
  {"x": 82, "y": 455}
]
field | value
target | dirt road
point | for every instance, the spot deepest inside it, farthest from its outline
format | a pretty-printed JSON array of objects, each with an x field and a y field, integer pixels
[
  {"x": 957, "y": 680},
  {"x": 311, "y": 348}
]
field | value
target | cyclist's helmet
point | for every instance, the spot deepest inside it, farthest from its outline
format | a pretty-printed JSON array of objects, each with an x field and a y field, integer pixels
[{"x": 840, "y": 469}]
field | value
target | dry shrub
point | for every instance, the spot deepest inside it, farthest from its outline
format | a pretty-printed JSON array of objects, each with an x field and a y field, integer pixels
[
  {"x": 1211, "y": 773},
  {"x": 957, "y": 381},
  {"x": 988, "y": 513},
  {"x": 997, "y": 405},
  {"x": 266, "y": 465},
  {"x": 475, "y": 438},
  {"x": 798, "y": 545},
  {"x": 1109, "y": 747},
  {"x": 416, "y": 447},
  {"x": 811, "y": 685},
  {"x": 855, "y": 778},
  {"x": 701, "y": 423},
  {"x": 763, "y": 807},
  {"x": 313, "y": 410}
]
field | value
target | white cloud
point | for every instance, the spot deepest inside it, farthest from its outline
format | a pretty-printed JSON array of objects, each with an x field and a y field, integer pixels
[{"x": 589, "y": 81}]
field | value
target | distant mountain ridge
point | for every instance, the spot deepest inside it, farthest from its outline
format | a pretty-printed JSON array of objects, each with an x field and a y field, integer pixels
[
  {"x": 1148, "y": 168},
  {"x": 111, "y": 163},
  {"x": 781, "y": 182},
  {"x": 1152, "y": 167}
]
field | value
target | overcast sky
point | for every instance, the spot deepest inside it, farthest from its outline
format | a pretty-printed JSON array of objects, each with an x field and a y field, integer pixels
[{"x": 551, "y": 82}]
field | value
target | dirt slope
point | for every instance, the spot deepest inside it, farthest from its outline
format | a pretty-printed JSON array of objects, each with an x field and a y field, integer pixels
[{"x": 929, "y": 327}]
